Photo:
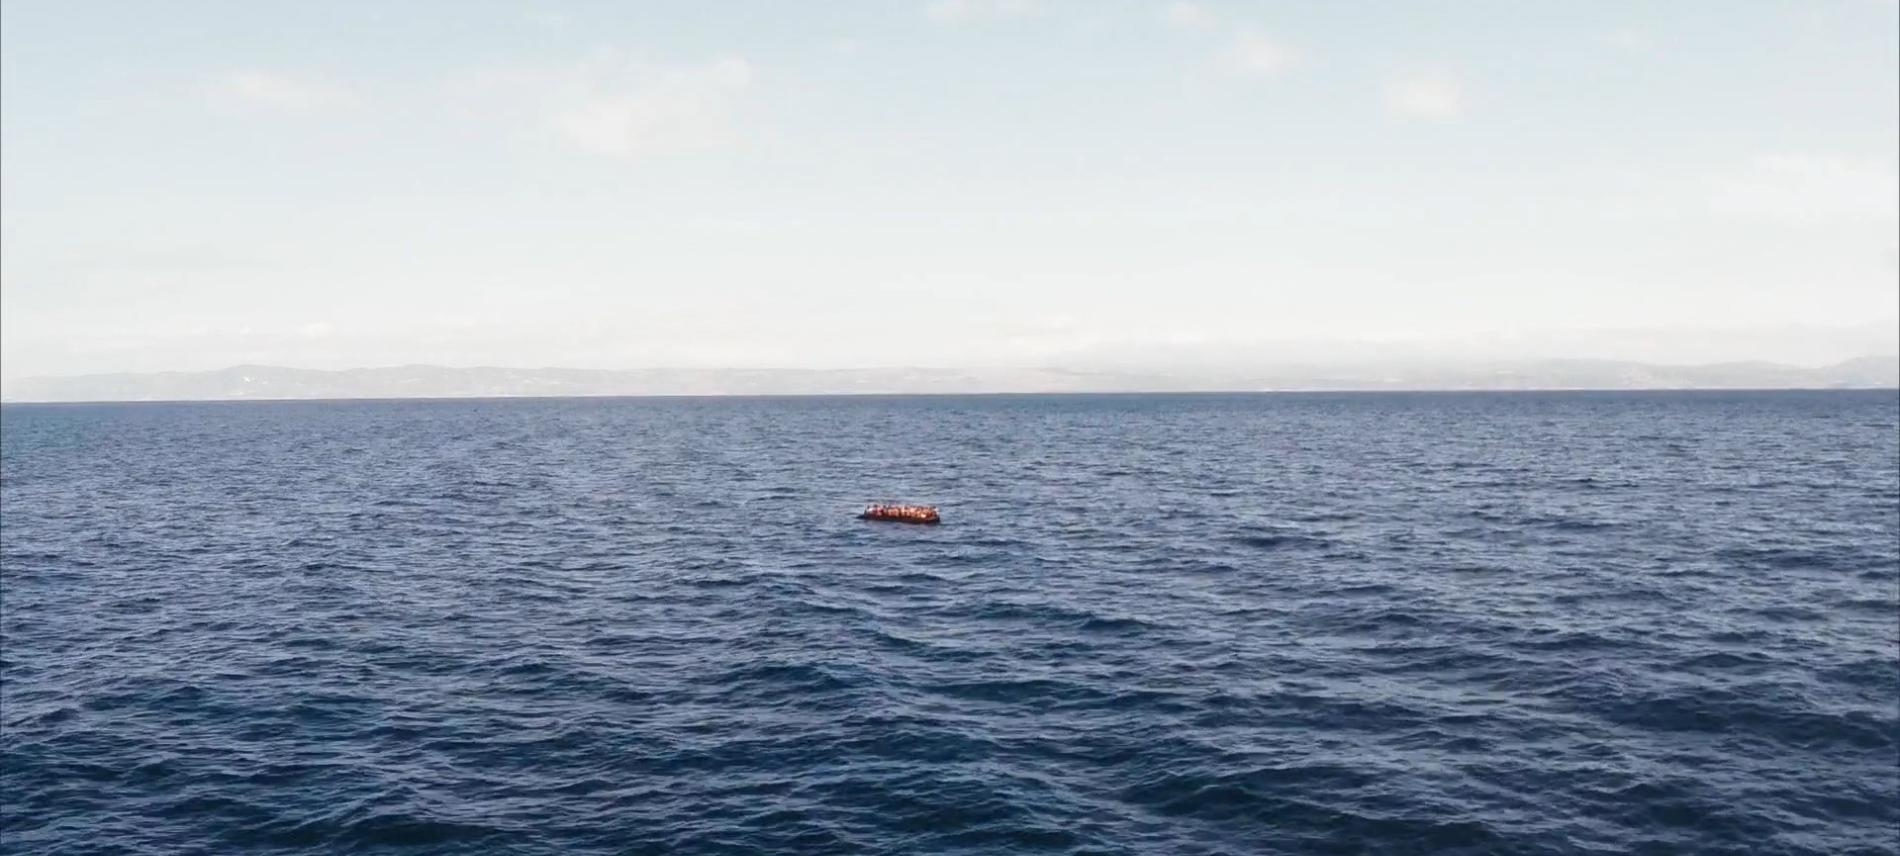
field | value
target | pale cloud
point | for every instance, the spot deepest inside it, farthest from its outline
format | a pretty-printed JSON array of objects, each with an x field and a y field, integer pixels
[
  {"x": 1808, "y": 189},
  {"x": 1628, "y": 39},
  {"x": 1431, "y": 95},
  {"x": 317, "y": 330},
  {"x": 1256, "y": 55},
  {"x": 283, "y": 93},
  {"x": 551, "y": 21},
  {"x": 1187, "y": 16},
  {"x": 679, "y": 109},
  {"x": 1248, "y": 51},
  {"x": 612, "y": 105},
  {"x": 959, "y": 11}
]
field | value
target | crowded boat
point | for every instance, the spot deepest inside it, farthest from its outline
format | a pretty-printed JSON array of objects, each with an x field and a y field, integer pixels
[{"x": 901, "y": 513}]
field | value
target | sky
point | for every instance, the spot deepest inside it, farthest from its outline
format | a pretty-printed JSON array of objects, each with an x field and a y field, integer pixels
[{"x": 982, "y": 183}]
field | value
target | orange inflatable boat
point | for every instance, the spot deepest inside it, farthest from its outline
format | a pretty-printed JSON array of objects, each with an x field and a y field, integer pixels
[{"x": 902, "y": 513}]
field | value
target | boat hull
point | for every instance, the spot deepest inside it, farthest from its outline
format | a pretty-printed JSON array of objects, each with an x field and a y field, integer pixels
[{"x": 917, "y": 521}]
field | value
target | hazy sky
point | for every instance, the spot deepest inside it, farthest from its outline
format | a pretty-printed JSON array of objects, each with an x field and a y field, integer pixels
[{"x": 190, "y": 185}]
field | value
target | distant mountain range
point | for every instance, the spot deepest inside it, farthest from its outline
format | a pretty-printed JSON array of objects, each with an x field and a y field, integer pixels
[{"x": 422, "y": 381}]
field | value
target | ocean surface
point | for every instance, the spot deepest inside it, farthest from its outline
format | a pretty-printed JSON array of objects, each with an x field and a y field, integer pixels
[{"x": 1594, "y": 623}]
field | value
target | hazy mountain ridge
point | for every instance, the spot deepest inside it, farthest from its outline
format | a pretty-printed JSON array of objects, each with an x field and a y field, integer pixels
[{"x": 424, "y": 381}]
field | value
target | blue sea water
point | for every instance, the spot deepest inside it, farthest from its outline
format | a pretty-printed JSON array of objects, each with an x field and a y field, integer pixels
[{"x": 1584, "y": 623}]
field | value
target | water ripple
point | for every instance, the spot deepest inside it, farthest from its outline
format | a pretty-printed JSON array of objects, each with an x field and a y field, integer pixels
[{"x": 1566, "y": 623}]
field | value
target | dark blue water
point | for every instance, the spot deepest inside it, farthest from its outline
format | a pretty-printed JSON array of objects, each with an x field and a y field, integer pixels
[{"x": 1499, "y": 623}]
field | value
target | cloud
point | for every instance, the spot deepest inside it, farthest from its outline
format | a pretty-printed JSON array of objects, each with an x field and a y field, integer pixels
[
  {"x": 1248, "y": 53},
  {"x": 551, "y": 21},
  {"x": 1255, "y": 55},
  {"x": 296, "y": 96},
  {"x": 677, "y": 109},
  {"x": 1628, "y": 39},
  {"x": 611, "y": 105},
  {"x": 959, "y": 11},
  {"x": 1433, "y": 95},
  {"x": 1808, "y": 189},
  {"x": 1187, "y": 16}
]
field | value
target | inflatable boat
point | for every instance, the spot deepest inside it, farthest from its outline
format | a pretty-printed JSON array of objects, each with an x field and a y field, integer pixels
[{"x": 902, "y": 513}]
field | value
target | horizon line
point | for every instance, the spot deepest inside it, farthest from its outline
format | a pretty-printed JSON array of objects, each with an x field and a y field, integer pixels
[
  {"x": 1104, "y": 369},
  {"x": 1651, "y": 390}
]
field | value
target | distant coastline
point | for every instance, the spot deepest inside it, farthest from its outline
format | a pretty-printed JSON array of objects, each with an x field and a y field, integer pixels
[{"x": 256, "y": 382}]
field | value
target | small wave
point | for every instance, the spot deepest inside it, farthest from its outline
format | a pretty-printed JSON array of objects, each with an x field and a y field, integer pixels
[
  {"x": 1279, "y": 541},
  {"x": 1780, "y": 558},
  {"x": 1728, "y": 661},
  {"x": 1878, "y": 607},
  {"x": 1574, "y": 641},
  {"x": 392, "y": 829},
  {"x": 782, "y": 679},
  {"x": 1365, "y": 590},
  {"x": 1722, "y": 711},
  {"x": 1790, "y": 614},
  {"x": 1114, "y": 625},
  {"x": 1195, "y": 794},
  {"x": 1018, "y": 691}
]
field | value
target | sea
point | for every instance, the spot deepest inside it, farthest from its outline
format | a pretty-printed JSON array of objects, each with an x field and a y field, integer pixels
[{"x": 1477, "y": 623}]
